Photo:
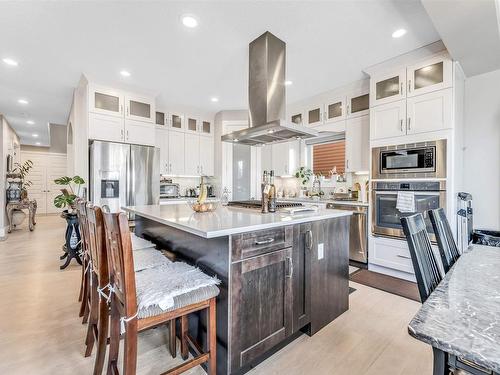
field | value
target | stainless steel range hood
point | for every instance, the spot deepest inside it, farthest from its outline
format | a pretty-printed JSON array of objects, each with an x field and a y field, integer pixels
[{"x": 266, "y": 95}]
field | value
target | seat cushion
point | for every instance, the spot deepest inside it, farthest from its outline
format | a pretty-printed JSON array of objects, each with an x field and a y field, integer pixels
[
  {"x": 148, "y": 258},
  {"x": 170, "y": 286},
  {"x": 139, "y": 243}
]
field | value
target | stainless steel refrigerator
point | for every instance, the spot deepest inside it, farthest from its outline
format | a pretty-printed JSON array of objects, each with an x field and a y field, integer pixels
[{"x": 123, "y": 175}]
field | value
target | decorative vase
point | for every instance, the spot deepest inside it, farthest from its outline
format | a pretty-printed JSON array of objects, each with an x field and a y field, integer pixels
[
  {"x": 18, "y": 217},
  {"x": 14, "y": 191}
]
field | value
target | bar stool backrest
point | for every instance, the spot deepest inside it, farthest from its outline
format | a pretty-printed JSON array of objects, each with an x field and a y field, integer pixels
[
  {"x": 120, "y": 263},
  {"x": 81, "y": 213},
  {"x": 97, "y": 244},
  {"x": 424, "y": 262},
  {"x": 444, "y": 236}
]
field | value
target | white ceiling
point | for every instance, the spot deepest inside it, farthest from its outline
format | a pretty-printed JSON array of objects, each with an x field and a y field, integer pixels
[{"x": 328, "y": 45}]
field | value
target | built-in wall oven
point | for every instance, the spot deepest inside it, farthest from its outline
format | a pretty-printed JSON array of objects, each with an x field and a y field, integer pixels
[
  {"x": 386, "y": 217},
  {"x": 412, "y": 160}
]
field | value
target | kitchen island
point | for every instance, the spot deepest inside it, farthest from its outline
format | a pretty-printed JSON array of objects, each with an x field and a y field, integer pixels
[{"x": 281, "y": 275}]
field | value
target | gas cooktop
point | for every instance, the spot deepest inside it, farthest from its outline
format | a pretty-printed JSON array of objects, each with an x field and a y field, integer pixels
[{"x": 257, "y": 204}]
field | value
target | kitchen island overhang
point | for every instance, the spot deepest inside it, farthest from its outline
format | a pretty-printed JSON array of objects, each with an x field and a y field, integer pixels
[{"x": 280, "y": 274}]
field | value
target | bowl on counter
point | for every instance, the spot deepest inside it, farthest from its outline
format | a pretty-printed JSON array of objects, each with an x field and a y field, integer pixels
[{"x": 209, "y": 205}]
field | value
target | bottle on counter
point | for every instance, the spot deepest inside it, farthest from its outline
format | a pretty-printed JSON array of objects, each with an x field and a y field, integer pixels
[
  {"x": 264, "y": 188},
  {"x": 272, "y": 193}
]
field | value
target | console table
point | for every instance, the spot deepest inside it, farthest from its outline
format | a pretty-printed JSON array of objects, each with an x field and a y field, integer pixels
[{"x": 30, "y": 205}]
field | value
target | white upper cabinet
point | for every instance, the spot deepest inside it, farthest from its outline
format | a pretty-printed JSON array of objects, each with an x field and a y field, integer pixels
[
  {"x": 335, "y": 110},
  {"x": 389, "y": 87},
  {"x": 105, "y": 101},
  {"x": 297, "y": 118},
  {"x": 207, "y": 127},
  {"x": 357, "y": 144},
  {"x": 139, "y": 133},
  {"x": 192, "y": 124},
  {"x": 161, "y": 118},
  {"x": 388, "y": 120},
  {"x": 176, "y": 153},
  {"x": 314, "y": 115},
  {"x": 139, "y": 108},
  {"x": 266, "y": 158},
  {"x": 176, "y": 121},
  {"x": 206, "y": 156},
  {"x": 430, "y": 112},
  {"x": 106, "y": 128},
  {"x": 285, "y": 158},
  {"x": 430, "y": 75},
  {"x": 358, "y": 104},
  {"x": 161, "y": 142},
  {"x": 192, "y": 154}
]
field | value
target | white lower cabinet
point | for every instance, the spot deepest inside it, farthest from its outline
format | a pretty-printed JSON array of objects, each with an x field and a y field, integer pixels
[
  {"x": 207, "y": 155},
  {"x": 192, "y": 154},
  {"x": 176, "y": 150},
  {"x": 430, "y": 112},
  {"x": 388, "y": 120},
  {"x": 139, "y": 133},
  {"x": 106, "y": 128},
  {"x": 161, "y": 142},
  {"x": 391, "y": 253},
  {"x": 357, "y": 144}
]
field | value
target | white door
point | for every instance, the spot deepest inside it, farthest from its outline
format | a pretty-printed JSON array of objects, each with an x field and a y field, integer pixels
[
  {"x": 139, "y": 132},
  {"x": 176, "y": 153},
  {"x": 56, "y": 167},
  {"x": 207, "y": 156},
  {"x": 161, "y": 142},
  {"x": 140, "y": 108},
  {"x": 105, "y": 101},
  {"x": 314, "y": 116},
  {"x": 192, "y": 154},
  {"x": 106, "y": 128},
  {"x": 430, "y": 112},
  {"x": 358, "y": 104},
  {"x": 335, "y": 109},
  {"x": 388, "y": 87},
  {"x": 357, "y": 144},
  {"x": 388, "y": 120},
  {"x": 280, "y": 159},
  {"x": 430, "y": 75}
]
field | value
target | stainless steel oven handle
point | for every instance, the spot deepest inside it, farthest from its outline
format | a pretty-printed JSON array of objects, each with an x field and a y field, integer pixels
[{"x": 417, "y": 192}]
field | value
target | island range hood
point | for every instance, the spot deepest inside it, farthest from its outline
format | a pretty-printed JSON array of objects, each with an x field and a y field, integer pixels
[{"x": 266, "y": 96}]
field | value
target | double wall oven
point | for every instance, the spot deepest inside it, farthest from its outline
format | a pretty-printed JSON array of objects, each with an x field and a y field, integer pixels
[{"x": 419, "y": 168}]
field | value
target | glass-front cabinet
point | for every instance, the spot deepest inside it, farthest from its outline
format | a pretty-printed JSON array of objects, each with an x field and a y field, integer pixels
[
  {"x": 139, "y": 108},
  {"x": 191, "y": 124},
  {"x": 176, "y": 121},
  {"x": 206, "y": 127},
  {"x": 297, "y": 118},
  {"x": 160, "y": 118},
  {"x": 358, "y": 105},
  {"x": 386, "y": 88},
  {"x": 430, "y": 75},
  {"x": 105, "y": 101},
  {"x": 314, "y": 116},
  {"x": 335, "y": 110}
]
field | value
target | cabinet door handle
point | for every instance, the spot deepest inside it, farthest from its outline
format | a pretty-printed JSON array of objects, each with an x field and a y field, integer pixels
[
  {"x": 401, "y": 92},
  {"x": 121, "y": 108},
  {"x": 127, "y": 110},
  {"x": 121, "y": 132},
  {"x": 347, "y": 164},
  {"x": 309, "y": 240},
  {"x": 264, "y": 242},
  {"x": 409, "y": 85},
  {"x": 403, "y": 256},
  {"x": 170, "y": 167},
  {"x": 348, "y": 108},
  {"x": 127, "y": 135},
  {"x": 290, "y": 267},
  {"x": 409, "y": 123},
  {"x": 401, "y": 125}
]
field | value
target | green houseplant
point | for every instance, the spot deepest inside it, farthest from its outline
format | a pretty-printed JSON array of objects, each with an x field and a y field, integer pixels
[
  {"x": 68, "y": 196},
  {"x": 21, "y": 172},
  {"x": 304, "y": 174}
]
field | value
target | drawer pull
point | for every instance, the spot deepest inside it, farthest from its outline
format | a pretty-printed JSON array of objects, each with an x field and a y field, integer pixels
[
  {"x": 265, "y": 242},
  {"x": 404, "y": 256},
  {"x": 309, "y": 240},
  {"x": 290, "y": 267}
]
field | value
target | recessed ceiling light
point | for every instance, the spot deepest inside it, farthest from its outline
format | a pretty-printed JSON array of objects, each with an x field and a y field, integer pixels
[
  {"x": 22, "y": 101},
  {"x": 214, "y": 99},
  {"x": 190, "y": 21},
  {"x": 34, "y": 135},
  {"x": 398, "y": 33},
  {"x": 125, "y": 73},
  {"x": 30, "y": 122},
  {"x": 236, "y": 139},
  {"x": 10, "y": 61},
  {"x": 38, "y": 143},
  {"x": 288, "y": 83}
]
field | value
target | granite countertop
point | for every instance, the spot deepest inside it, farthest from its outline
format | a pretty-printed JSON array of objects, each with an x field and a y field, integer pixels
[
  {"x": 462, "y": 316},
  {"x": 324, "y": 201},
  {"x": 226, "y": 220}
]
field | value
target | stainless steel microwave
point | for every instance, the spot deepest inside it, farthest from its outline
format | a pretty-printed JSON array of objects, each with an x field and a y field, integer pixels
[{"x": 413, "y": 160}]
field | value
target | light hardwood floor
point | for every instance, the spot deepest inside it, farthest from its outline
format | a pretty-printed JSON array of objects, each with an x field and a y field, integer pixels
[{"x": 40, "y": 332}]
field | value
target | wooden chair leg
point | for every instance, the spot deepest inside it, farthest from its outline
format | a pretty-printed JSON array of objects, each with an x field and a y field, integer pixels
[
  {"x": 102, "y": 337},
  {"x": 184, "y": 340},
  {"x": 84, "y": 294},
  {"x": 212, "y": 338},
  {"x": 80, "y": 294},
  {"x": 114, "y": 342},
  {"x": 172, "y": 338},
  {"x": 130, "y": 348},
  {"x": 93, "y": 320}
]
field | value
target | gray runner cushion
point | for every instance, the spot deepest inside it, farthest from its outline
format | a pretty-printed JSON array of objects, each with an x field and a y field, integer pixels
[
  {"x": 148, "y": 258},
  {"x": 139, "y": 243}
]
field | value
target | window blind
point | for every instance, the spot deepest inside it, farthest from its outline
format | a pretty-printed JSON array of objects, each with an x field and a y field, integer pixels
[{"x": 325, "y": 156}]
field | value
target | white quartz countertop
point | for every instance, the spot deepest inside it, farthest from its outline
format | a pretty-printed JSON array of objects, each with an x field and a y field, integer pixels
[{"x": 226, "y": 220}]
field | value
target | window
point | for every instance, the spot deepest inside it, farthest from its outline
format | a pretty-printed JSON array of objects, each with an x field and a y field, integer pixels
[{"x": 325, "y": 156}]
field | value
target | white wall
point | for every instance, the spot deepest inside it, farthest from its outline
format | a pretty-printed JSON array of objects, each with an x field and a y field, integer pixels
[{"x": 482, "y": 148}]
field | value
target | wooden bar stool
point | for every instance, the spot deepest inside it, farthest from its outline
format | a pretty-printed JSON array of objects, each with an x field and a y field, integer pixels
[
  {"x": 446, "y": 243},
  {"x": 85, "y": 283},
  {"x": 129, "y": 314}
]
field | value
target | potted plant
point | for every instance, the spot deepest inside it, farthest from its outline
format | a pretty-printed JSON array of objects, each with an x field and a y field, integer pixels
[
  {"x": 18, "y": 182},
  {"x": 304, "y": 175},
  {"x": 68, "y": 196}
]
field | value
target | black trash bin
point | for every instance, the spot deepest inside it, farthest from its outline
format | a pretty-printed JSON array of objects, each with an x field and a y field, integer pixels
[{"x": 486, "y": 237}]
